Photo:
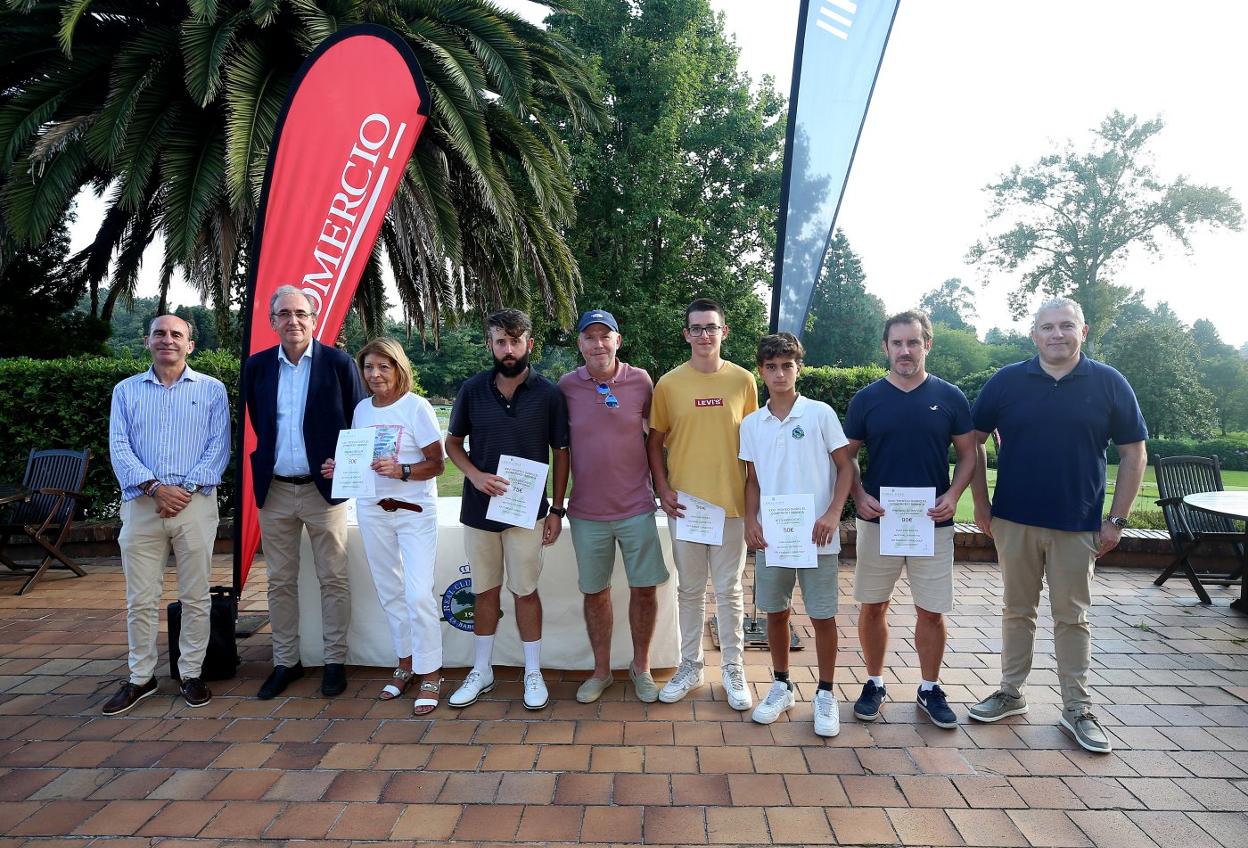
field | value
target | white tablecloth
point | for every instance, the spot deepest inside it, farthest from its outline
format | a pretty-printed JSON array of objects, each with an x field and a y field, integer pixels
[{"x": 565, "y": 644}]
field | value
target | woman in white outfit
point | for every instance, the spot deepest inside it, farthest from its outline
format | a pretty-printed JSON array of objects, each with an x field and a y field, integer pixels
[{"x": 399, "y": 525}]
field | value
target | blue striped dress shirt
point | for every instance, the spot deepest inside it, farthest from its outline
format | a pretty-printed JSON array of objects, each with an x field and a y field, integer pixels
[
  {"x": 174, "y": 434},
  {"x": 291, "y": 453}
]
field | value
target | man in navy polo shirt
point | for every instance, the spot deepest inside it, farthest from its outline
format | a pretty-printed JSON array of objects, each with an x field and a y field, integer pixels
[
  {"x": 1054, "y": 415},
  {"x": 907, "y": 420},
  {"x": 510, "y": 410}
]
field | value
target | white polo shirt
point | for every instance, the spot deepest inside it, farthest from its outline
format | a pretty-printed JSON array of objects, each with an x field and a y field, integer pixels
[{"x": 792, "y": 457}]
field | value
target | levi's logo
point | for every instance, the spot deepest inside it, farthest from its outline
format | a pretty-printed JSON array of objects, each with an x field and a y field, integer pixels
[{"x": 708, "y": 401}]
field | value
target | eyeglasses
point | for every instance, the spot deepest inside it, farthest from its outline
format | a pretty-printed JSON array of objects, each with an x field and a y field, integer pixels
[
  {"x": 607, "y": 397},
  {"x": 286, "y": 315},
  {"x": 708, "y": 330}
]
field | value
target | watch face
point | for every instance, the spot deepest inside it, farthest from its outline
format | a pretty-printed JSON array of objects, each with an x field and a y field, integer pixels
[{"x": 191, "y": 487}]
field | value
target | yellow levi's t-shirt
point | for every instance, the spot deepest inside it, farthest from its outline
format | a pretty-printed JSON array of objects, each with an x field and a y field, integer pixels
[{"x": 701, "y": 417}]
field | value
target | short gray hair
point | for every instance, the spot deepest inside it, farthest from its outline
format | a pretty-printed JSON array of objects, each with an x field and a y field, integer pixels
[
  {"x": 282, "y": 291},
  {"x": 1059, "y": 303}
]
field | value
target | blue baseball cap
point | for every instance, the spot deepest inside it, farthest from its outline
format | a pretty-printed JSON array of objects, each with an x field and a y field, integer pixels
[{"x": 597, "y": 316}]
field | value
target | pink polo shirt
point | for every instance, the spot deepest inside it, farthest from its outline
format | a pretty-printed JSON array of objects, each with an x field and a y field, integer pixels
[{"x": 610, "y": 473}]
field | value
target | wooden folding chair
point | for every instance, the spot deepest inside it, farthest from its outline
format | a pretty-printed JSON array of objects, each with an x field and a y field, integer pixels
[
  {"x": 43, "y": 510},
  {"x": 1190, "y": 529}
]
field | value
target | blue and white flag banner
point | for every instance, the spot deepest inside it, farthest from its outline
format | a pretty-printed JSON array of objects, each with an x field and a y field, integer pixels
[{"x": 840, "y": 46}]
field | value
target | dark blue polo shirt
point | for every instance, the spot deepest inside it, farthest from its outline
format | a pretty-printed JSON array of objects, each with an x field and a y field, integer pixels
[
  {"x": 529, "y": 425},
  {"x": 1051, "y": 460},
  {"x": 907, "y": 434}
]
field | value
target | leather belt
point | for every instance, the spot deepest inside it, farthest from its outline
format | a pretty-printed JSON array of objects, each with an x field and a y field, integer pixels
[
  {"x": 391, "y": 505},
  {"x": 302, "y": 480}
]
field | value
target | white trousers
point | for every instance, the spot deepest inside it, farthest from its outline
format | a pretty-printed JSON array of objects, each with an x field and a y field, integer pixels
[
  {"x": 724, "y": 564},
  {"x": 402, "y": 547},
  {"x": 145, "y": 541}
]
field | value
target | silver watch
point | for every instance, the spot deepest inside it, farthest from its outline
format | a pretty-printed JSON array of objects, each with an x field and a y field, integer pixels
[
  {"x": 191, "y": 488},
  {"x": 1120, "y": 523}
]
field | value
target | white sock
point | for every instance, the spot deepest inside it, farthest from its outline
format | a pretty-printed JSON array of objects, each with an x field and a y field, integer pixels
[
  {"x": 484, "y": 650},
  {"x": 532, "y": 655},
  {"x": 928, "y": 684},
  {"x": 876, "y": 679}
]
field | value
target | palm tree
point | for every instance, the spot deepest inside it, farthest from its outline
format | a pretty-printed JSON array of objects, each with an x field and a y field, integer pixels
[{"x": 170, "y": 109}]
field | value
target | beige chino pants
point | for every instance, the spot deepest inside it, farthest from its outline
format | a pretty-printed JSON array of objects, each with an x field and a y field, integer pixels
[
  {"x": 1029, "y": 556},
  {"x": 288, "y": 509},
  {"x": 146, "y": 540}
]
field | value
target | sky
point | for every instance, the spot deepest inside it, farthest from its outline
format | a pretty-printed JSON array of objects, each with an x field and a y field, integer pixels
[{"x": 970, "y": 88}]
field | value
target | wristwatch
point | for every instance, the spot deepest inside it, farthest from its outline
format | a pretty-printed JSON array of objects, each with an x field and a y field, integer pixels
[
  {"x": 558, "y": 510},
  {"x": 191, "y": 488},
  {"x": 1120, "y": 523},
  {"x": 407, "y": 471}
]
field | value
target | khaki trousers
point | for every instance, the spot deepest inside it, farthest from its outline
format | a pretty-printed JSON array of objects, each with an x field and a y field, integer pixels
[
  {"x": 288, "y": 509},
  {"x": 724, "y": 564},
  {"x": 145, "y": 541},
  {"x": 1028, "y": 556}
]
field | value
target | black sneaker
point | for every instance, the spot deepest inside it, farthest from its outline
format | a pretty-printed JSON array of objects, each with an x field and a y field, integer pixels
[
  {"x": 867, "y": 707},
  {"x": 127, "y": 696},
  {"x": 934, "y": 704},
  {"x": 194, "y": 692}
]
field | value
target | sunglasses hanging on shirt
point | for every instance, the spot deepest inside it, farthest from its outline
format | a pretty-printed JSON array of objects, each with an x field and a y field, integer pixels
[{"x": 607, "y": 397}]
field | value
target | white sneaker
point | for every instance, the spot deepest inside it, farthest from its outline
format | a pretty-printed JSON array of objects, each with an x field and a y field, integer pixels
[
  {"x": 739, "y": 697},
  {"x": 535, "y": 694},
  {"x": 687, "y": 678},
  {"x": 475, "y": 685},
  {"x": 827, "y": 714},
  {"x": 779, "y": 699}
]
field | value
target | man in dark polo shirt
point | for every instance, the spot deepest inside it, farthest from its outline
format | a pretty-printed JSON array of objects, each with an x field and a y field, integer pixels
[
  {"x": 907, "y": 419},
  {"x": 1054, "y": 415},
  {"x": 515, "y": 411}
]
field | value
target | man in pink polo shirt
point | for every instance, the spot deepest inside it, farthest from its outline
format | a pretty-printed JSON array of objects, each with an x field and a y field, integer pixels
[{"x": 612, "y": 499}]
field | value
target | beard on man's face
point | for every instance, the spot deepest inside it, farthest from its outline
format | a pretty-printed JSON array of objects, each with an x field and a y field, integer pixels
[{"x": 513, "y": 368}]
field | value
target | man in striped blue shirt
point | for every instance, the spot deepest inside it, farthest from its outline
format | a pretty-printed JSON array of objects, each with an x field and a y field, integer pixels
[{"x": 169, "y": 438}]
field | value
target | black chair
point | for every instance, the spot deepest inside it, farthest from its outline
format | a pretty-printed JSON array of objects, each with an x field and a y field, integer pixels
[
  {"x": 1190, "y": 529},
  {"x": 43, "y": 509}
]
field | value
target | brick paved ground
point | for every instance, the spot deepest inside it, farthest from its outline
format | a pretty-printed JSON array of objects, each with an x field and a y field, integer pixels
[{"x": 1172, "y": 678}]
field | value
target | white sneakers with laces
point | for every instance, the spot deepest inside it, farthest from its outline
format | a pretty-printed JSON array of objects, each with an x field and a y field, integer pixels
[
  {"x": 687, "y": 678},
  {"x": 779, "y": 700}
]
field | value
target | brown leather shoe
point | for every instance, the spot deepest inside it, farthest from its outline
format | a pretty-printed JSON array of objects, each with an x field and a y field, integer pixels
[
  {"x": 194, "y": 692},
  {"x": 127, "y": 696}
]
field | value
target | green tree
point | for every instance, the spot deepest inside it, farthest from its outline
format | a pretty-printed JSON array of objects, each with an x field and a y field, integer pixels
[
  {"x": 846, "y": 321},
  {"x": 169, "y": 109},
  {"x": 1224, "y": 373},
  {"x": 678, "y": 198},
  {"x": 952, "y": 303},
  {"x": 1068, "y": 221},
  {"x": 1009, "y": 346},
  {"x": 956, "y": 353},
  {"x": 1160, "y": 361},
  {"x": 37, "y": 303}
]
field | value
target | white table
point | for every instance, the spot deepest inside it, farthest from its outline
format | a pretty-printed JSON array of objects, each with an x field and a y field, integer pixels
[
  {"x": 565, "y": 644},
  {"x": 1233, "y": 505}
]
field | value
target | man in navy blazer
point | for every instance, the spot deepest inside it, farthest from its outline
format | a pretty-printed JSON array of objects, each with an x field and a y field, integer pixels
[{"x": 300, "y": 393}]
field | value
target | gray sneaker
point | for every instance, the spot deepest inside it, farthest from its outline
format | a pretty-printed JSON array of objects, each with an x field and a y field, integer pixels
[
  {"x": 643, "y": 684},
  {"x": 997, "y": 706},
  {"x": 1086, "y": 730}
]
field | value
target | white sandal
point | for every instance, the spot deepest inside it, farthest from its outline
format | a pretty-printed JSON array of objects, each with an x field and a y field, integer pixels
[
  {"x": 424, "y": 706},
  {"x": 396, "y": 686}
]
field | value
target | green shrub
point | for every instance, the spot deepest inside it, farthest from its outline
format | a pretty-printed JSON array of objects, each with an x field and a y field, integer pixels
[
  {"x": 65, "y": 403},
  {"x": 1148, "y": 519},
  {"x": 1231, "y": 449},
  {"x": 836, "y": 386}
]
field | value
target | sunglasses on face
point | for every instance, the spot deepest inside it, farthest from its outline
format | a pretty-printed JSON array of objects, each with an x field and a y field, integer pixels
[{"x": 607, "y": 397}]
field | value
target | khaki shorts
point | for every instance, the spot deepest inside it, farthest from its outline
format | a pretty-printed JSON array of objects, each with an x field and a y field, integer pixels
[
  {"x": 931, "y": 578},
  {"x": 521, "y": 549},
  {"x": 595, "y": 541}
]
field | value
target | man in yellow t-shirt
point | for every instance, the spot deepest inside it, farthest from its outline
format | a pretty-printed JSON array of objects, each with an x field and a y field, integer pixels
[{"x": 696, "y": 414}]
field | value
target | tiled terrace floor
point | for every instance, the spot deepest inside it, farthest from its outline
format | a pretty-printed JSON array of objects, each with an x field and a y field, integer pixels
[{"x": 1171, "y": 676}]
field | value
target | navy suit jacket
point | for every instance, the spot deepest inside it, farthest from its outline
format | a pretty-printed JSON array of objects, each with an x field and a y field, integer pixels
[{"x": 334, "y": 389}]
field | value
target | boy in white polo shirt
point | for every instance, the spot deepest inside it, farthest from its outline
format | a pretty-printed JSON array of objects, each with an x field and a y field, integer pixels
[{"x": 795, "y": 446}]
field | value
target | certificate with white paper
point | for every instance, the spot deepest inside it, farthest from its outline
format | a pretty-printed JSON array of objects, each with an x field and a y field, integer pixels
[
  {"x": 353, "y": 460},
  {"x": 703, "y": 521},
  {"x": 789, "y": 528},
  {"x": 526, "y": 483},
  {"x": 905, "y": 527}
]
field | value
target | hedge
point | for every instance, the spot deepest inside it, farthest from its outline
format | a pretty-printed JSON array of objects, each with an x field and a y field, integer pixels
[
  {"x": 1231, "y": 450},
  {"x": 65, "y": 403}
]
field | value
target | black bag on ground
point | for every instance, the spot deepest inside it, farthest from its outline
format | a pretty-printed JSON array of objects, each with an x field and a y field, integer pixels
[{"x": 221, "y": 660}]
